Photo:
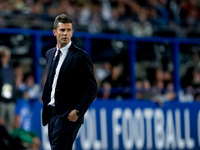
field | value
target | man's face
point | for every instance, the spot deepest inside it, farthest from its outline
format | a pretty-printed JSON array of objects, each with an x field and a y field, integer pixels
[{"x": 63, "y": 34}]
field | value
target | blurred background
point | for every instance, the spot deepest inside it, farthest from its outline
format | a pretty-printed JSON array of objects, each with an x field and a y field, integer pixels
[{"x": 146, "y": 57}]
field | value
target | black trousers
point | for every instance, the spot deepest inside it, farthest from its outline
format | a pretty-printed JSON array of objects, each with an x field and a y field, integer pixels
[{"x": 62, "y": 134}]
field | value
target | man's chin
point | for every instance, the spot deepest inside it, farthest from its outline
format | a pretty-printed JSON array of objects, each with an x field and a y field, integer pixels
[{"x": 64, "y": 43}]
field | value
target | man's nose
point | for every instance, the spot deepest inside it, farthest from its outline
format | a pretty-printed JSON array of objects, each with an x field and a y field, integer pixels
[{"x": 65, "y": 32}]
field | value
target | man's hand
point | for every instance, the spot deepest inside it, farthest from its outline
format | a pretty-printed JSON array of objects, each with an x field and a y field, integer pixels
[
  {"x": 73, "y": 116},
  {"x": 2, "y": 121}
]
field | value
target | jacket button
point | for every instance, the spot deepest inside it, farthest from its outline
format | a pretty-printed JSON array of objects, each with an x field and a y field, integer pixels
[
  {"x": 56, "y": 90},
  {"x": 56, "y": 102}
]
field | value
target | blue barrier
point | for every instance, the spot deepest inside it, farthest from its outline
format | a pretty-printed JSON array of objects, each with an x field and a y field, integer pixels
[{"x": 133, "y": 125}]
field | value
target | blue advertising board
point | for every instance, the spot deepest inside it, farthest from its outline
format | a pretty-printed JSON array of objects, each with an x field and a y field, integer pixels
[{"x": 133, "y": 125}]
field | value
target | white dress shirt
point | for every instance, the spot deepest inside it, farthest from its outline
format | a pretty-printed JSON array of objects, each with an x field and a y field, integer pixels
[{"x": 63, "y": 54}]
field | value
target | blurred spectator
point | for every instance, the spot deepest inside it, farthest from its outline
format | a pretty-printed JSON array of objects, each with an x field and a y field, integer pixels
[
  {"x": 7, "y": 142},
  {"x": 111, "y": 81},
  {"x": 30, "y": 89},
  {"x": 146, "y": 90},
  {"x": 142, "y": 28},
  {"x": 160, "y": 90},
  {"x": 114, "y": 22},
  {"x": 190, "y": 83},
  {"x": 161, "y": 7},
  {"x": 196, "y": 78},
  {"x": 166, "y": 95},
  {"x": 158, "y": 87},
  {"x": 7, "y": 89},
  {"x": 28, "y": 139},
  {"x": 154, "y": 18},
  {"x": 115, "y": 78},
  {"x": 174, "y": 11},
  {"x": 106, "y": 10},
  {"x": 106, "y": 90},
  {"x": 19, "y": 76},
  {"x": 116, "y": 81},
  {"x": 190, "y": 12},
  {"x": 187, "y": 95},
  {"x": 95, "y": 17},
  {"x": 139, "y": 88},
  {"x": 102, "y": 71}
]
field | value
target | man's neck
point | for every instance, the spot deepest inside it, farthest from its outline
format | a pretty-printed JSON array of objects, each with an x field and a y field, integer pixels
[{"x": 61, "y": 46}]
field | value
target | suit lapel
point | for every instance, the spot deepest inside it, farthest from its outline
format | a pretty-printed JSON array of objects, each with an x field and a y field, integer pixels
[
  {"x": 66, "y": 61},
  {"x": 51, "y": 55}
]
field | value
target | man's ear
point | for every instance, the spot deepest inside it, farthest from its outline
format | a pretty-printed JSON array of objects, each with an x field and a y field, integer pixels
[
  {"x": 72, "y": 32},
  {"x": 54, "y": 32}
]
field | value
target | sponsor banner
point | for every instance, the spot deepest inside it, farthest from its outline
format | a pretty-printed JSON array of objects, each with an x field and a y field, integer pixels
[{"x": 133, "y": 125}]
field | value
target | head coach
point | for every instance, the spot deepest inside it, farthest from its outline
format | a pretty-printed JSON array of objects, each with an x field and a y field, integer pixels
[{"x": 70, "y": 87}]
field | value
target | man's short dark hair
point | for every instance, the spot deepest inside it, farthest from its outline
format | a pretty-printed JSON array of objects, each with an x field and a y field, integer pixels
[{"x": 63, "y": 18}]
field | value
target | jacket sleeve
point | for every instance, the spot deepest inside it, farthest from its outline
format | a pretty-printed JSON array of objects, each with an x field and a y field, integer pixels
[{"x": 90, "y": 85}]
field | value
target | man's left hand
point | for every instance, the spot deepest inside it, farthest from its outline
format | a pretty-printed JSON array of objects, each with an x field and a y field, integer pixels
[{"x": 73, "y": 116}]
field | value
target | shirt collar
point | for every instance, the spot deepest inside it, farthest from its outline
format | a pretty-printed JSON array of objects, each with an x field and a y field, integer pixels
[{"x": 65, "y": 49}]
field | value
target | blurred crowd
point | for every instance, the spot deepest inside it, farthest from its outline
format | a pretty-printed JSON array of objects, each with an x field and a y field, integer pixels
[
  {"x": 136, "y": 17},
  {"x": 154, "y": 75},
  {"x": 18, "y": 92}
]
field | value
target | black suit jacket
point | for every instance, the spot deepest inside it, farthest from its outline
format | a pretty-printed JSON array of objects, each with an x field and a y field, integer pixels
[{"x": 76, "y": 86}]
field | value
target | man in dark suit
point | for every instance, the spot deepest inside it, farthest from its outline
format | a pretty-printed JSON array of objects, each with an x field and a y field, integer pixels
[{"x": 70, "y": 87}]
